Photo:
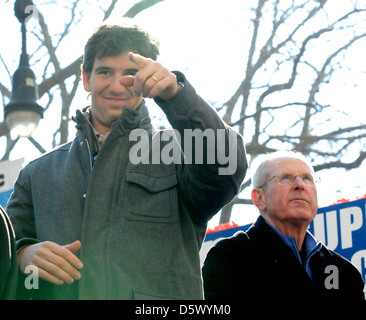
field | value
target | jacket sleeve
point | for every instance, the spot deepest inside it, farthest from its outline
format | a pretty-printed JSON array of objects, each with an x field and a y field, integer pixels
[
  {"x": 20, "y": 211},
  {"x": 8, "y": 258},
  {"x": 215, "y": 161},
  {"x": 223, "y": 273}
]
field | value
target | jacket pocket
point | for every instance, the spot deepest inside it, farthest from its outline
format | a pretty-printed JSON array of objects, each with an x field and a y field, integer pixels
[{"x": 151, "y": 198}]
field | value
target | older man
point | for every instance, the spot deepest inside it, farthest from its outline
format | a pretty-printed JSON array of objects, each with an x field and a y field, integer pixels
[{"x": 277, "y": 258}]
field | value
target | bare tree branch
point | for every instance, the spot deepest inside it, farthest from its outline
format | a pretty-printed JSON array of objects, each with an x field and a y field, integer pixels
[
  {"x": 140, "y": 6},
  {"x": 37, "y": 145},
  {"x": 298, "y": 132},
  {"x": 295, "y": 49}
]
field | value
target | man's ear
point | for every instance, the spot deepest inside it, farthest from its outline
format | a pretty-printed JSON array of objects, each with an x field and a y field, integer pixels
[
  {"x": 86, "y": 81},
  {"x": 258, "y": 199}
]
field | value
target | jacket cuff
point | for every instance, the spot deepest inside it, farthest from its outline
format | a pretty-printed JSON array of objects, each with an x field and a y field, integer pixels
[
  {"x": 180, "y": 106},
  {"x": 21, "y": 243}
]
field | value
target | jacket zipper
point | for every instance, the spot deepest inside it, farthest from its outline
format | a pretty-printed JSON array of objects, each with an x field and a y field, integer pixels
[{"x": 90, "y": 156}]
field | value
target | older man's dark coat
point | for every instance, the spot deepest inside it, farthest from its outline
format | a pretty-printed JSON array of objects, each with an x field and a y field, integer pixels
[{"x": 258, "y": 266}]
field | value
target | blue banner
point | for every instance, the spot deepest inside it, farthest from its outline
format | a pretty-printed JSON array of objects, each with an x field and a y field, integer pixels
[
  {"x": 342, "y": 228},
  {"x": 9, "y": 171},
  {"x": 4, "y": 197}
]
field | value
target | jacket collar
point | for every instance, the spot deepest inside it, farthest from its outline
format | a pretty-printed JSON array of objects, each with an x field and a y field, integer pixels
[
  {"x": 133, "y": 119},
  {"x": 268, "y": 241},
  {"x": 128, "y": 120}
]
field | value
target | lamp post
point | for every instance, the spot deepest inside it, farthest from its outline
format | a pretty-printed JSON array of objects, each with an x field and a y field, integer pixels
[{"x": 22, "y": 113}]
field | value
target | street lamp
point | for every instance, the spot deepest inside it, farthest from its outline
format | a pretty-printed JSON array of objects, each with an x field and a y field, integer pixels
[{"x": 22, "y": 113}]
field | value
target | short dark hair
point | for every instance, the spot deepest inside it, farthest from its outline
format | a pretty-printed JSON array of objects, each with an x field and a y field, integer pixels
[{"x": 113, "y": 40}]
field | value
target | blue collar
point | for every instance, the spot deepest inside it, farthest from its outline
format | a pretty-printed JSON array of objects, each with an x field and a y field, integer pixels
[{"x": 310, "y": 245}]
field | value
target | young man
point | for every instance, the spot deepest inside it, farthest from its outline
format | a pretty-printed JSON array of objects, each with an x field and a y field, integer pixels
[
  {"x": 277, "y": 259},
  {"x": 97, "y": 223}
]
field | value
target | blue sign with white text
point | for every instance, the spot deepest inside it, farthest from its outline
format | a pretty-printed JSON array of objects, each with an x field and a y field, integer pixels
[{"x": 342, "y": 228}]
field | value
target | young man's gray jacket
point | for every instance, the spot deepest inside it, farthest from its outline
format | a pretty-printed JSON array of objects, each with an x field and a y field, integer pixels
[{"x": 140, "y": 225}]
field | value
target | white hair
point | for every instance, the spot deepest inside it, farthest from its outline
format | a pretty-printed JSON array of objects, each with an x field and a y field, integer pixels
[{"x": 261, "y": 175}]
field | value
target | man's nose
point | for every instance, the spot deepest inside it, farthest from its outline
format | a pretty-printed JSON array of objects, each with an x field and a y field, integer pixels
[
  {"x": 299, "y": 182},
  {"x": 115, "y": 86}
]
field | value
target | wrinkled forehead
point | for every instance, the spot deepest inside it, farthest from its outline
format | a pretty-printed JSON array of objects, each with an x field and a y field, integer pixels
[{"x": 288, "y": 165}]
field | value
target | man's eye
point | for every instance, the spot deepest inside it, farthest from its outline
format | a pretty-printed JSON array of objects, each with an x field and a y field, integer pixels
[
  {"x": 286, "y": 177},
  {"x": 307, "y": 177}
]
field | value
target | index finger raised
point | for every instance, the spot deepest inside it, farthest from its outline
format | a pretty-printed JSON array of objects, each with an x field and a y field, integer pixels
[{"x": 140, "y": 60}]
